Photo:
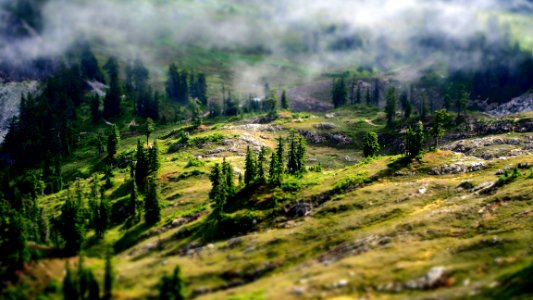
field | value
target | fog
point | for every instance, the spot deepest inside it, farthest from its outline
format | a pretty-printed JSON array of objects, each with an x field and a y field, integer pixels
[{"x": 322, "y": 35}]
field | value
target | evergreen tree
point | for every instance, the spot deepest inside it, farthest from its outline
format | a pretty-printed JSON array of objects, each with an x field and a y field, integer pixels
[
  {"x": 70, "y": 286},
  {"x": 292, "y": 167},
  {"x": 172, "y": 288},
  {"x": 148, "y": 129},
  {"x": 274, "y": 175},
  {"x": 72, "y": 227},
  {"x": 448, "y": 102},
  {"x": 95, "y": 109},
  {"x": 424, "y": 109},
  {"x": 358, "y": 94},
  {"x": 301, "y": 150},
  {"x": 102, "y": 218},
  {"x": 415, "y": 140},
  {"x": 250, "y": 166},
  {"x": 202, "y": 89},
  {"x": 280, "y": 153},
  {"x": 229, "y": 176},
  {"x": 109, "y": 277},
  {"x": 152, "y": 208},
  {"x": 439, "y": 121},
  {"x": 173, "y": 83},
  {"x": 94, "y": 206},
  {"x": 89, "y": 65},
  {"x": 261, "y": 173},
  {"x": 284, "y": 100},
  {"x": 462, "y": 101},
  {"x": 113, "y": 95},
  {"x": 371, "y": 145},
  {"x": 133, "y": 204},
  {"x": 390, "y": 108},
  {"x": 338, "y": 93},
  {"x": 112, "y": 142},
  {"x": 12, "y": 237},
  {"x": 93, "y": 287},
  {"x": 217, "y": 195},
  {"x": 142, "y": 167},
  {"x": 368, "y": 98},
  {"x": 153, "y": 157}
]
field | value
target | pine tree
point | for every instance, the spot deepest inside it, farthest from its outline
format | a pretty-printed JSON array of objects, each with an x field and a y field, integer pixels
[
  {"x": 142, "y": 166},
  {"x": 152, "y": 208},
  {"x": 13, "y": 239},
  {"x": 202, "y": 88},
  {"x": 109, "y": 277},
  {"x": 133, "y": 210},
  {"x": 72, "y": 225},
  {"x": 112, "y": 98},
  {"x": 172, "y": 288},
  {"x": 148, "y": 129},
  {"x": 437, "y": 131},
  {"x": 94, "y": 197},
  {"x": 217, "y": 195},
  {"x": 261, "y": 173},
  {"x": 250, "y": 173},
  {"x": 284, "y": 100},
  {"x": 93, "y": 287},
  {"x": 301, "y": 150},
  {"x": 279, "y": 159},
  {"x": 368, "y": 98},
  {"x": 95, "y": 109},
  {"x": 103, "y": 218},
  {"x": 338, "y": 93},
  {"x": 153, "y": 157},
  {"x": 358, "y": 94},
  {"x": 89, "y": 65},
  {"x": 274, "y": 175},
  {"x": 70, "y": 287},
  {"x": 292, "y": 167},
  {"x": 113, "y": 139},
  {"x": 229, "y": 177},
  {"x": 462, "y": 101},
  {"x": 371, "y": 145},
  {"x": 448, "y": 102},
  {"x": 390, "y": 108},
  {"x": 415, "y": 140}
]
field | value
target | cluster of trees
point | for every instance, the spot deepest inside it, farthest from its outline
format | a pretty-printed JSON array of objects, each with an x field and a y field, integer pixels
[
  {"x": 223, "y": 179},
  {"x": 83, "y": 285},
  {"x": 356, "y": 93},
  {"x": 181, "y": 86}
]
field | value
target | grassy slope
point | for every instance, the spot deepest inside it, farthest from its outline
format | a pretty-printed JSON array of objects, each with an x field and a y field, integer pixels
[{"x": 368, "y": 241}]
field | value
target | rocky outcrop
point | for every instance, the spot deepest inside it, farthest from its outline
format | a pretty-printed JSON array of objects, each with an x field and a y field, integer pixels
[
  {"x": 330, "y": 138},
  {"x": 10, "y": 95},
  {"x": 520, "y": 104},
  {"x": 493, "y": 147},
  {"x": 457, "y": 168}
]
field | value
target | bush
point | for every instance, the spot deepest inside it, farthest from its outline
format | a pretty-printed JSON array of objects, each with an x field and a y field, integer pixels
[
  {"x": 349, "y": 182},
  {"x": 195, "y": 163},
  {"x": 291, "y": 184},
  {"x": 316, "y": 168},
  {"x": 238, "y": 223},
  {"x": 507, "y": 177}
]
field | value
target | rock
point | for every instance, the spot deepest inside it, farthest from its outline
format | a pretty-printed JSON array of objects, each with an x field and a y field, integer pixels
[
  {"x": 325, "y": 126},
  {"x": 330, "y": 116},
  {"x": 457, "y": 168},
  {"x": 422, "y": 190},
  {"x": 178, "y": 222},
  {"x": 433, "y": 278},
  {"x": 216, "y": 151},
  {"x": 523, "y": 103},
  {"x": 234, "y": 242},
  {"x": 298, "y": 290},
  {"x": 300, "y": 209},
  {"x": 255, "y": 127},
  {"x": 340, "y": 283},
  {"x": 524, "y": 166}
]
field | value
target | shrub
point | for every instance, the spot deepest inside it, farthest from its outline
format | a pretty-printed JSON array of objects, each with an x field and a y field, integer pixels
[
  {"x": 291, "y": 184},
  {"x": 349, "y": 182},
  {"x": 195, "y": 163}
]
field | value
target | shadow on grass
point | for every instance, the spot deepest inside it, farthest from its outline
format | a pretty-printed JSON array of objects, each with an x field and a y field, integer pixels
[{"x": 131, "y": 237}]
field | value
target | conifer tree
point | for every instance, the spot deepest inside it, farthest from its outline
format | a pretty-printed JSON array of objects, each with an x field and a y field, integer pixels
[
  {"x": 152, "y": 207},
  {"x": 371, "y": 144},
  {"x": 358, "y": 94},
  {"x": 112, "y": 142},
  {"x": 72, "y": 225},
  {"x": 284, "y": 100},
  {"x": 437, "y": 131},
  {"x": 415, "y": 141},
  {"x": 202, "y": 89},
  {"x": 142, "y": 166},
  {"x": 274, "y": 175},
  {"x": 102, "y": 218},
  {"x": 448, "y": 102},
  {"x": 292, "y": 167},
  {"x": 462, "y": 101},
  {"x": 250, "y": 173},
  {"x": 279, "y": 159},
  {"x": 301, "y": 150},
  {"x": 217, "y": 195},
  {"x": 112, "y": 98},
  {"x": 390, "y": 108},
  {"x": 261, "y": 173},
  {"x": 172, "y": 288},
  {"x": 70, "y": 287},
  {"x": 109, "y": 277},
  {"x": 229, "y": 178},
  {"x": 153, "y": 157},
  {"x": 148, "y": 129},
  {"x": 95, "y": 109},
  {"x": 368, "y": 98},
  {"x": 338, "y": 93}
]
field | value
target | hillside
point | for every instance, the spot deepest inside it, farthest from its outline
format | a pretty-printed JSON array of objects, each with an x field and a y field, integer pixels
[{"x": 376, "y": 228}]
